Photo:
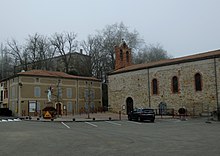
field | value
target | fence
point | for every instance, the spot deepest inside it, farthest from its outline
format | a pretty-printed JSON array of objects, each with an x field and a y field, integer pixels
[{"x": 168, "y": 112}]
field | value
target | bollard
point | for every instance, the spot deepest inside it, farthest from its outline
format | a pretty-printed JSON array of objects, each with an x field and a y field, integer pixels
[
  {"x": 173, "y": 113},
  {"x": 119, "y": 115},
  {"x": 218, "y": 113},
  {"x": 93, "y": 119},
  {"x": 110, "y": 118}
]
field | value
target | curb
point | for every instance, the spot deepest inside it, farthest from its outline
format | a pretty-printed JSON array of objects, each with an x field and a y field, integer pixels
[{"x": 97, "y": 120}]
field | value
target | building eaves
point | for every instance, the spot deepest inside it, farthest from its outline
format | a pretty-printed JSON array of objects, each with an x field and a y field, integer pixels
[{"x": 44, "y": 73}]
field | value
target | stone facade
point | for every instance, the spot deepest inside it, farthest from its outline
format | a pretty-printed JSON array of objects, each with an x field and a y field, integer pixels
[{"x": 135, "y": 83}]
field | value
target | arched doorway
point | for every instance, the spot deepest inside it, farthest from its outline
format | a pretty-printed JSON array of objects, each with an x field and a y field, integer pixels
[{"x": 129, "y": 104}]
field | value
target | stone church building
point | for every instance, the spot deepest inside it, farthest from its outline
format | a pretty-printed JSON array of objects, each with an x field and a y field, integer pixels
[{"x": 191, "y": 82}]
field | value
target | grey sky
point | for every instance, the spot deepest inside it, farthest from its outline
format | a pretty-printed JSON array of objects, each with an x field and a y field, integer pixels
[{"x": 182, "y": 27}]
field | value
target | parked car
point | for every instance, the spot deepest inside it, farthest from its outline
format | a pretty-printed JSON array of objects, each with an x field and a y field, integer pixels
[{"x": 141, "y": 114}]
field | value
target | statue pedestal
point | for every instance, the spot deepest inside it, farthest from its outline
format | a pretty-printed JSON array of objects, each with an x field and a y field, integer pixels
[
  {"x": 49, "y": 112},
  {"x": 49, "y": 104}
]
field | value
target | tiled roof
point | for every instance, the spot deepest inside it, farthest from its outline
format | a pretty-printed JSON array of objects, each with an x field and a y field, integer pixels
[
  {"x": 56, "y": 74},
  {"x": 190, "y": 58}
]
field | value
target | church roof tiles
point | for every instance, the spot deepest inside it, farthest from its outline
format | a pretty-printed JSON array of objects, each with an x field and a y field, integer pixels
[{"x": 190, "y": 58}]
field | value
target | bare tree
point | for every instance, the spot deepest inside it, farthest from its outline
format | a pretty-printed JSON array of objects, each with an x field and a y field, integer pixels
[
  {"x": 65, "y": 44},
  {"x": 113, "y": 34},
  {"x": 18, "y": 53},
  {"x": 101, "y": 47},
  {"x": 40, "y": 52},
  {"x": 93, "y": 48},
  {"x": 151, "y": 53},
  {"x": 32, "y": 49},
  {"x": 7, "y": 63}
]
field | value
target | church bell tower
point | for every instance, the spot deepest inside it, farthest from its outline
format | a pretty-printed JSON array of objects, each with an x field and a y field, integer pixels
[{"x": 122, "y": 56}]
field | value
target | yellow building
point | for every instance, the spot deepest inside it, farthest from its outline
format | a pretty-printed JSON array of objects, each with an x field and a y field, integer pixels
[{"x": 28, "y": 93}]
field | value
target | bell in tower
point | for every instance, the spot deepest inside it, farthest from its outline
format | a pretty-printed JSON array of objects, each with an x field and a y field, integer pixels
[{"x": 122, "y": 56}]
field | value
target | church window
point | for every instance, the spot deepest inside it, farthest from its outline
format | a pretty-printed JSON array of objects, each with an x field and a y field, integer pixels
[
  {"x": 121, "y": 55},
  {"x": 155, "y": 86},
  {"x": 127, "y": 56},
  {"x": 198, "y": 82},
  {"x": 175, "y": 85}
]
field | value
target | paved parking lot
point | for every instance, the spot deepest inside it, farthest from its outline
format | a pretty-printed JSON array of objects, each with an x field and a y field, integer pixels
[{"x": 164, "y": 137}]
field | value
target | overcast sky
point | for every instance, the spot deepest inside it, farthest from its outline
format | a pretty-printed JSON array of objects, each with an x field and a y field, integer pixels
[{"x": 182, "y": 27}]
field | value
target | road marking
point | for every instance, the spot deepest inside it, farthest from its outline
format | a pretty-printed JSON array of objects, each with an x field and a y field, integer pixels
[
  {"x": 17, "y": 119},
  {"x": 113, "y": 123},
  {"x": 65, "y": 125},
  {"x": 138, "y": 123},
  {"x": 91, "y": 124},
  {"x": 9, "y": 120}
]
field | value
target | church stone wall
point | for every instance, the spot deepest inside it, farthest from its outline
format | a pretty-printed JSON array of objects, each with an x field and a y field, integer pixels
[
  {"x": 130, "y": 84},
  {"x": 134, "y": 84}
]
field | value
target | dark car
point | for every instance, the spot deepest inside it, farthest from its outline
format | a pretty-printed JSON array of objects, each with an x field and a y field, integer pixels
[{"x": 141, "y": 114}]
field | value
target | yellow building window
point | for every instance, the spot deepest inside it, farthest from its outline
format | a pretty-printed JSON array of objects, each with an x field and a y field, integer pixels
[{"x": 37, "y": 91}]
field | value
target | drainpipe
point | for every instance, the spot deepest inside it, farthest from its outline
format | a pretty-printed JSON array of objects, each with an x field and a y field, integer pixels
[
  {"x": 216, "y": 89},
  {"x": 148, "y": 87}
]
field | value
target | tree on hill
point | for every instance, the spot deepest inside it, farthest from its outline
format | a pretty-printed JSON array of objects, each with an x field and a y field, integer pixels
[{"x": 38, "y": 51}]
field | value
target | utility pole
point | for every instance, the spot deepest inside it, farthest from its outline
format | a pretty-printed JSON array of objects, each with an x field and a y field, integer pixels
[
  {"x": 58, "y": 98},
  {"x": 88, "y": 98}
]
